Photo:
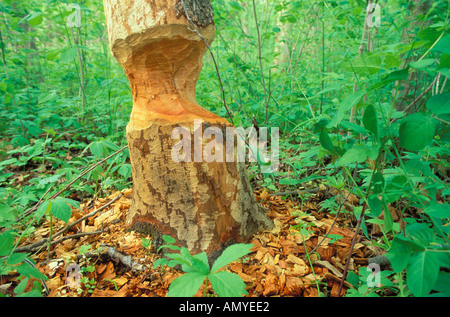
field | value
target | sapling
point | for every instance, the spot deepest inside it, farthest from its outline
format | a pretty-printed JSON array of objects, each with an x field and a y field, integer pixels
[{"x": 198, "y": 271}]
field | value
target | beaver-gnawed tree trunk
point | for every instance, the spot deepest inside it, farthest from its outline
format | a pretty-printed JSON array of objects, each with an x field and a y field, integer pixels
[{"x": 204, "y": 204}]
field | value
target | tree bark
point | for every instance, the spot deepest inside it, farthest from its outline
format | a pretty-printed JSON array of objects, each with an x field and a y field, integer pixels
[{"x": 205, "y": 203}]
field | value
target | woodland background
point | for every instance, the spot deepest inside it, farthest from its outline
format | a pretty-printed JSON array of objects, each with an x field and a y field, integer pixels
[{"x": 362, "y": 110}]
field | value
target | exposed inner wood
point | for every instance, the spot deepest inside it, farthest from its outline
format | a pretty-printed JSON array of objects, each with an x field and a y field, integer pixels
[{"x": 203, "y": 205}]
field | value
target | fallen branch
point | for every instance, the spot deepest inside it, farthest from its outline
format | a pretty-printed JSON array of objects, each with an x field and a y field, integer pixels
[
  {"x": 87, "y": 170},
  {"x": 37, "y": 245},
  {"x": 113, "y": 254},
  {"x": 297, "y": 192},
  {"x": 34, "y": 246}
]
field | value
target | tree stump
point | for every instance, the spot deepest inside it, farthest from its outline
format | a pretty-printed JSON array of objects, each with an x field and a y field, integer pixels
[{"x": 205, "y": 202}]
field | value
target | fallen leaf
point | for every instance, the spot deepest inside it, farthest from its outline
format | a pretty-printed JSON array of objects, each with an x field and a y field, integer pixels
[
  {"x": 110, "y": 293},
  {"x": 295, "y": 260},
  {"x": 330, "y": 267},
  {"x": 270, "y": 285},
  {"x": 293, "y": 286},
  {"x": 120, "y": 281}
]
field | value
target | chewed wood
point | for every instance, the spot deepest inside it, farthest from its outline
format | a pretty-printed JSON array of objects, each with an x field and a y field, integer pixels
[{"x": 204, "y": 206}]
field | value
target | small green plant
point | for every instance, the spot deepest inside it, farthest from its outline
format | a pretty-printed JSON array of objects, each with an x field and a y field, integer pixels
[
  {"x": 196, "y": 267},
  {"x": 365, "y": 284},
  {"x": 21, "y": 263},
  {"x": 423, "y": 250},
  {"x": 88, "y": 268}
]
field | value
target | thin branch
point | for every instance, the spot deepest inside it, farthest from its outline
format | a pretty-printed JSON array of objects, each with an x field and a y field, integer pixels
[
  {"x": 36, "y": 245},
  {"x": 87, "y": 170},
  {"x": 418, "y": 98},
  {"x": 266, "y": 103},
  {"x": 332, "y": 225}
]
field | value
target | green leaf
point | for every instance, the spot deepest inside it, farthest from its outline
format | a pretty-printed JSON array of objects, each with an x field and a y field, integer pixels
[
  {"x": 61, "y": 209},
  {"x": 375, "y": 205},
  {"x": 370, "y": 120},
  {"x": 34, "y": 19},
  {"x": 401, "y": 74},
  {"x": 201, "y": 262},
  {"x": 230, "y": 254},
  {"x": 189, "y": 263},
  {"x": 28, "y": 270},
  {"x": 423, "y": 271},
  {"x": 168, "y": 239},
  {"x": 68, "y": 55},
  {"x": 289, "y": 181},
  {"x": 416, "y": 131},
  {"x": 44, "y": 208},
  {"x": 439, "y": 104},
  {"x": 356, "y": 154},
  {"x": 235, "y": 5},
  {"x": 325, "y": 141},
  {"x": 162, "y": 262},
  {"x": 97, "y": 149},
  {"x": 443, "y": 283},
  {"x": 227, "y": 284},
  {"x": 438, "y": 211},
  {"x": 146, "y": 243},
  {"x": 399, "y": 254},
  {"x": 387, "y": 219},
  {"x": 125, "y": 170},
  {"x": 6, "y": 243},
  {"x": 378, "y": 183},
  {"x": 350, "y": 101},
  {"x": 423, "y": 64},
  {"x": 6, "y": 214},
  {"x": 366, "y": 64},
  {"x": 7, "y": 162},
  {"x": 186, "y": 285},
  {"x": 419, "y": 232},
  {"x": 443, "y": 45},
  {"x": 21, "y": 286},
  {"x": 16, "y": 258}
]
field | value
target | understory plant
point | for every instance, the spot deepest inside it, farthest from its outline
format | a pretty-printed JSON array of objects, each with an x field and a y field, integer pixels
[{"x": 199, "y": 272}]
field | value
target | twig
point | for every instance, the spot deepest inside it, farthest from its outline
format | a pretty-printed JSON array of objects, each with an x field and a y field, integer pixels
[
  {"x": 230, "y": 113},
  {"x": 297, "y": 192},
  {"x": 112, "y": 253},
  {"x": 332, "y": 225},
  {"x": 36, "y": 245},
  {"x": 344, "y": 274},
  {"x": 266, "y": 103},
  {"x": 87, "y": 170},
  {"x": 418, "y": 98},
  {"x": 76, "y": 235},
  {"x": 91, "y": 214}
]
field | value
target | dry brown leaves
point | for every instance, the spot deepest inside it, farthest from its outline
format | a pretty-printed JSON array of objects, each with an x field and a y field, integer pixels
[{"x": 281, "y": 262}]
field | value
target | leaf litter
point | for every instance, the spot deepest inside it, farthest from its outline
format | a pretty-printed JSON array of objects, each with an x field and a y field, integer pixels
[{"x": 285, "y": 261}]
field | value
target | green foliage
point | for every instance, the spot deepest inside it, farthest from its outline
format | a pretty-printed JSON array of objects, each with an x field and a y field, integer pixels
[
  {"x": 198, "y": 272},
  {"x": 21, "y": 263},
  {"x": 371, "y": 122}
]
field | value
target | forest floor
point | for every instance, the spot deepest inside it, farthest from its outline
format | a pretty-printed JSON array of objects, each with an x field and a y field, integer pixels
[{"x": 112, "y": 262}]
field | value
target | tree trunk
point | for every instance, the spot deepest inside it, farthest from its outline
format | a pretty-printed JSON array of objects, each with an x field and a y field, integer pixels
[{"x": 205, "y": 203}]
